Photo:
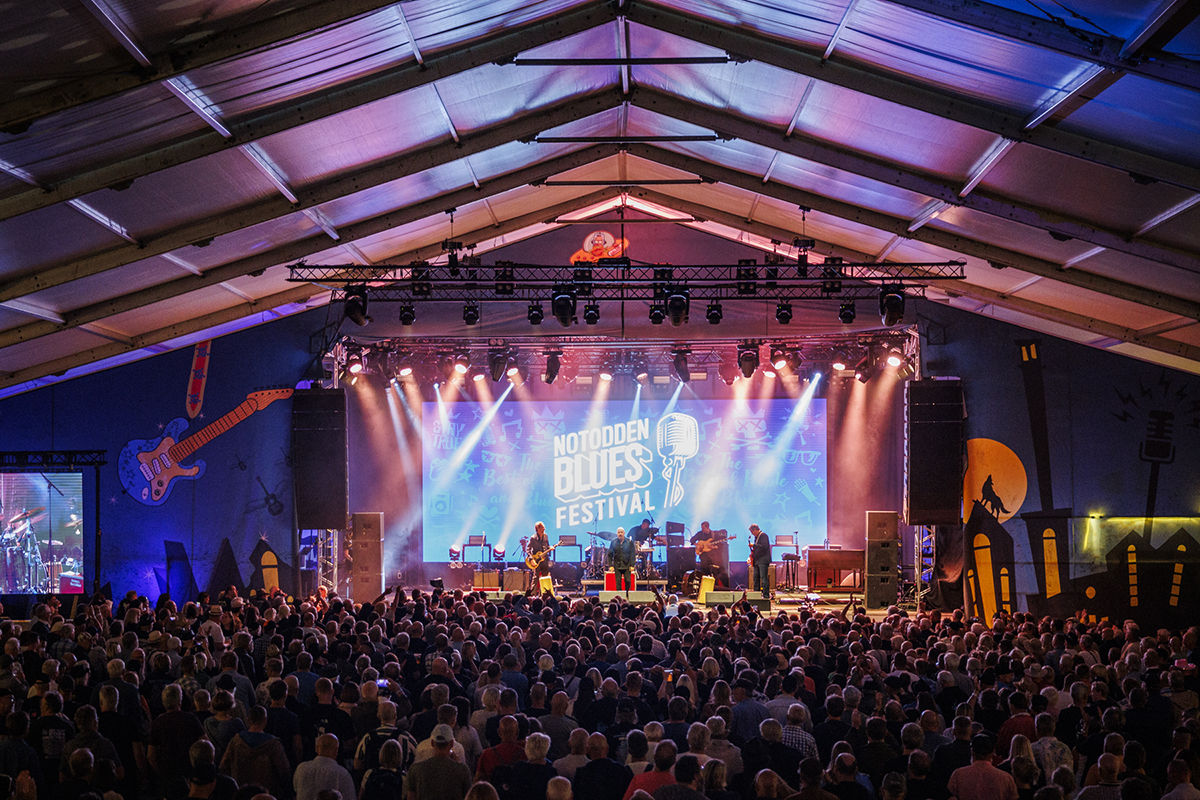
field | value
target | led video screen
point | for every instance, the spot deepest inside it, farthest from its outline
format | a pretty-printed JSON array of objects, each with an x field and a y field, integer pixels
[
  {"x": 584, "y": 467},
  {"x": 41, "y": 533}
]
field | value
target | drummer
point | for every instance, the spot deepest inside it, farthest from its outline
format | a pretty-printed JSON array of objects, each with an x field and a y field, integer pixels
[{"x": 643, "y": 533}]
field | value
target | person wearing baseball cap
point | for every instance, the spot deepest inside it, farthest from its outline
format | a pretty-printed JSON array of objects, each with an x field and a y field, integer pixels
[{"x": 439, "y": 777}]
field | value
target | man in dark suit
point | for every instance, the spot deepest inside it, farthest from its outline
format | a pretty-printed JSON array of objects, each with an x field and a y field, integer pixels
[
  {"x": 621, "y": 556},
  {"x": 954, "y": 755},
  {"x": 760, "y": 553}
]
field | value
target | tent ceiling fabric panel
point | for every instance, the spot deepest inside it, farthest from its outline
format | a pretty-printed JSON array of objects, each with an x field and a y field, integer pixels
[{"x": 898, "y": 130}]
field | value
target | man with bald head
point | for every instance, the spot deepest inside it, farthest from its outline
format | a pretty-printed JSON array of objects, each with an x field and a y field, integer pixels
[
  {"x": 323, "y": 772},
  {"x": 601, "y": 778},
  {"x": 509, "y": 751}
]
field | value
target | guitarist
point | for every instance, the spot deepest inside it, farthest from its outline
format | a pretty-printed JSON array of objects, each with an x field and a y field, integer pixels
[
  {"x": 540, "y": 543},
  {"x": 707, "y": 543}
]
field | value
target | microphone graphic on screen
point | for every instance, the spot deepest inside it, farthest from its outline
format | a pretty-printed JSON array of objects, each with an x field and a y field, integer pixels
[{"x": 678, "y": 440}]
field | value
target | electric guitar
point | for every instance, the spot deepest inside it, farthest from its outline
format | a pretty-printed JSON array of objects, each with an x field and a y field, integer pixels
[
  {"x": 708, "y": 545},
  {"x": 148, "y": 468},
  {"x": 535, "y": 560}
]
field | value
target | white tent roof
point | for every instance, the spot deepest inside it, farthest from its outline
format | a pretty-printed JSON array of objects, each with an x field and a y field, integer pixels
[{"x": 162, "y": 164}]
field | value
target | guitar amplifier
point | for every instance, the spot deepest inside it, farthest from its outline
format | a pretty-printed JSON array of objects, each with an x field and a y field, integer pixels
[
  {"x": 487, "y": 579},
  {"x": 515, "y": 580}
]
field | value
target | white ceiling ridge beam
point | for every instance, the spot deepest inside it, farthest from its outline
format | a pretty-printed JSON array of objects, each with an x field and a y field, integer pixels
[
  {"x": 487, "y": 204},
  {"x": 102, "y": 219},
  {"x": 275, "y": 207},
  {"x": 236, "y": 292},
  {"x": 259, "y": 159},
  {"x": 729, "y": 37},
  {"x": 323, "y": 223},
  {"x": 948, "y": 240},
  {"x": 1075, "y": 261},
  {"x": 837, "y": 32},
  {"x": 198, "y": 105},
  {"x": 1066, "y": 101},
  {"x": 357, "y": 254},
  {"x": 1166, "y": 327},
  {"x": 771, "y": 166},
  {"x": 1025, "y": 284},
  {"x": 1056, "y": 36},
  {"x": 112, "y": 22},
  {"x": 441, "y": 104},
  {"x": 1167, "y": 215},
  {"x": 890, "y": 173},
  {"x": 152, "y": 341},
  {"x": 1160, "y": 17},
  {"x": 887, "y": 249},
  {"x": 21, "y": 175},
  {"x": 96, "y": 329},
  {"x": 33, "y": 310},
  {"x": 184, "y": 58},
  {"x": 986, "y": 164},
  {"x": 470, "y": 171},
  {"x": 316, "y": 105},
  {"x": 295, "y": 251},
  {"x": 412, "y": 39},
  {"x": 812, "y": 82},
  {"x": 932, "y": 210},
  {"x": 184, "y": 265},
  {"x": 623, "y": 52}
]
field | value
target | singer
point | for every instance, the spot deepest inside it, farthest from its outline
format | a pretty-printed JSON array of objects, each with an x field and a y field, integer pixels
[
  {"x": 621, "y": 557},
  {"x": 760, "y": 554}
]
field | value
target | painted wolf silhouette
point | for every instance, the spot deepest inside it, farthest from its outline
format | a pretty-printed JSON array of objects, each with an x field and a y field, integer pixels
[{"x": 990, "y": 498}]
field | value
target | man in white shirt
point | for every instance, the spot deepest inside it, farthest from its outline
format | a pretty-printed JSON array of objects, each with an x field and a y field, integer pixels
[{"x": 323, "y": 772}]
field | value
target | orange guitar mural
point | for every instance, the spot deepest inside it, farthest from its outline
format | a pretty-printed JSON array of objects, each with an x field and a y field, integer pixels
[{"x": 148, "y": 468}]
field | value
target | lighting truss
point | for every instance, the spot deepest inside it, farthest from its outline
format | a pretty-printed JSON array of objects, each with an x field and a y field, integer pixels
[{"x": 620, "y": 281}]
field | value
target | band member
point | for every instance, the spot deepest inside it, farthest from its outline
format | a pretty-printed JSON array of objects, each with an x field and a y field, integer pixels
[
  {"x": 710, "y": 554},
  {"x": 621, "y": 556},
  {"x": 540, "y": 543},
  {"x": 760, "y": 554},
  {"x": 642, "y": 533}
]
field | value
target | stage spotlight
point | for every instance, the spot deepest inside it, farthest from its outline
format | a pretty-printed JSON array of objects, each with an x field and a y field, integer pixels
[
  {"x": 408, "y": 315},
  {"x": 513, "y": 370},
  {"x": 728, "y": 372},
  {"x": 847, "y": 312},
  {"x": 354, "y": 306},
  {"x": 864, "y": 370},
  {"x": 591, "y": 313},
  {"x": 680, "y": 362},
  {"x": 891, "y": 304},
  {"x": 839, "y": 360},
  {"x": 406, "y": 368},
  {"x": 783, "y": 312},
  {"x": 778, "y": 358},
  {"x": 748, "y": 360},
  {"x": 678, "y": 305},
  {"x": 447, "y": 365},
  {"x": 894, "y": 358},
  {"x": 769, "y": 371},
  {"x": 497, "y": 364},
  {"x": 478, "y": 375},
  {"x": 907, "y": 370},
  {"x": 793, "y": 360},
  {"x": 536, "y": 314},
  {"x": 658, "y": 313},
  {"x": 641, "y": 375},
  {"x": 498, "y": 552},
  {"x": 715, "y": 313},
  {"x": 552, "y": 367},
  {"x": 606, "y": 373},
  {"x": 562, "y": 305},
  {"x": 354, "y": 363},
  {"x": 455, "y": 552},
  {"x": 462, "y": 363},
  {"x": 471, "y": 313}
]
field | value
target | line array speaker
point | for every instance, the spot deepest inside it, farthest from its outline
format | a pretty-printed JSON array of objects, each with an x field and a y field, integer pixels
[
  {"x": 319, "y": 465},
  {"x": 934, "y": 474}
]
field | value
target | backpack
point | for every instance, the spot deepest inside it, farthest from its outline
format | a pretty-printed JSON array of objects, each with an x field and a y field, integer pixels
[{"x": 383, "y": 784}]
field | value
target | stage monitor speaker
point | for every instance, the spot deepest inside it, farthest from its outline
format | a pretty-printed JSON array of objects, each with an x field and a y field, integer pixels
[
  {"x": 934, "y": 475},
  {"x": 882, "y": 558},
  {"x": 635, "y": 596},
  {"x": 368, "y": 555},
  {"x": 881, "y": 590},
  {"x": 486, "y": 579},
  {"x": 883, "y": 526},
  {"x": 515, "y": 580},
  {"x": 729, "y": 598},
  {"x": 680, "y": 560},
  {"x": 320, "y": 474}
]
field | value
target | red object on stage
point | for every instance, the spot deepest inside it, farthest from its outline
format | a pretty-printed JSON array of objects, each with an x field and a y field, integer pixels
[
  {"x": 610, "y": 581},
  {"x": 70, "y": 584}
]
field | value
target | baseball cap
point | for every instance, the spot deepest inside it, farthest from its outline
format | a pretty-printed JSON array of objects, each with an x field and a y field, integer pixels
[{"x": 442, "y": 734}]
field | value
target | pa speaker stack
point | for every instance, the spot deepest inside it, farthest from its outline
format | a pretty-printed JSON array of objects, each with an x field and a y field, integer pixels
[
  {"x": 933, "y": 488},
  {"x": 883, "y": 556}
]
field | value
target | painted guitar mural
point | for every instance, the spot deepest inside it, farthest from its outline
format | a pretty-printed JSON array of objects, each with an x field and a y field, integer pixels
[{"x": 148, "y": 468}]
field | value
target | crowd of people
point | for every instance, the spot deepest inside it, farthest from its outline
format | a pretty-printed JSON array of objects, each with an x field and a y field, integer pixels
[{"x": 447, "y": 695}]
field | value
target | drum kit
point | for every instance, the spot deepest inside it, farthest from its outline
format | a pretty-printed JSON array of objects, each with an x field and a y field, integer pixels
[
  {"x": 595, "y": 560},
  {"x": 23, "y": 568}
]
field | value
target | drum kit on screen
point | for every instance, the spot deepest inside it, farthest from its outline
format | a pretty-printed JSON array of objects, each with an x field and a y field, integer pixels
[{"x": 24, "y": 570}]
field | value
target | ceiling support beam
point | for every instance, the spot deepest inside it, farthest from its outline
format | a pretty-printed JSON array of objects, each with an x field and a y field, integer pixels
[
  {"x": 274, "y": 207},
  {"x": 18, "y": 113},
  {"x": 892, "y": 174},
  {"x": 1058, "y": 37},
  {"x": 294, "y": 251},
  {"x": 730, "y": 38},
  {"x": 153, "y": 339},
  {"x": 1164, "y": 21},
  {"x": 319, "y": 104},
  {"x": 930, "y": 235},
  {"x": 1144, "y": 338}
]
